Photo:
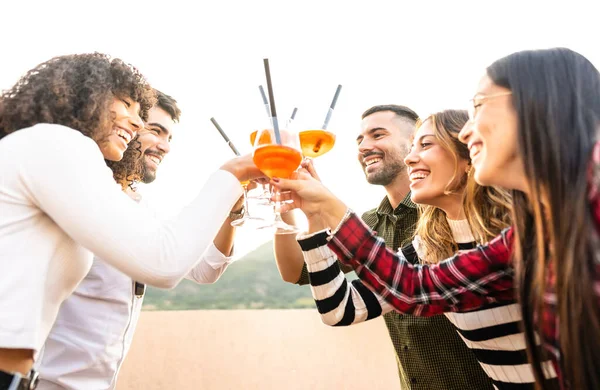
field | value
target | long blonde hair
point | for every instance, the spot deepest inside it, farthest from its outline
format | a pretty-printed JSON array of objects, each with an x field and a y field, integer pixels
[{"x": 487, "y": 208}]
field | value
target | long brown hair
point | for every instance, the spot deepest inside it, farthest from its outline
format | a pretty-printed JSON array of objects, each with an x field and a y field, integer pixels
[
  {"x": 486, "y": 208},
  {"x": 556, "y": 94}
]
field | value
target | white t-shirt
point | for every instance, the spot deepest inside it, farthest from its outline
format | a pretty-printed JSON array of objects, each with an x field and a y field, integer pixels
[{"x": 59, "y": 204}]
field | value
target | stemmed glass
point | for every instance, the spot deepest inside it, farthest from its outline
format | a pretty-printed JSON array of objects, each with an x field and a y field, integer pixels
[
  {"x": 265, "y": 196},
  {"x": 316, "y": 142},
  {"x": 246, "y": 217},
  {"x": 278, "y": 155}
]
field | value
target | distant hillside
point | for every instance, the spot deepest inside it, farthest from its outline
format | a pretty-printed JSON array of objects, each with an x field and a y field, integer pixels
[{"x": 252, "y": 282}]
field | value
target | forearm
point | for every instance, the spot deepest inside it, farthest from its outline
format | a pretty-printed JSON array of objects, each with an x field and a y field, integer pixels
[
  {"x": 466, "y": 281},
  {"x": 288, "y": 254},
  {"x": 339, "y": 302},
  {"x": 225, "y": 238},
  {"x": 211, "y": 266}
]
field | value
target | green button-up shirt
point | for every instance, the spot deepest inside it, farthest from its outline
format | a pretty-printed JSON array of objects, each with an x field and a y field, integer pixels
[{"x": 429, "y": 352}]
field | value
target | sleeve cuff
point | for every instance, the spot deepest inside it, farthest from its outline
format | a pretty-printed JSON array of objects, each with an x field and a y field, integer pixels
[
  {"x": 314, "y": 247},
  {"x": 350, "y": 235},
  {"x": 215, "y": 259},
  {"x": 310, "y": 241},
  {"x": 348, "y": 214}
]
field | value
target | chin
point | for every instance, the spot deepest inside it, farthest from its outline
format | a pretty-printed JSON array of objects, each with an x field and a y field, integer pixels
[
  {"x": 482, "y": 178},
  {"x": 147, "y": 179},
  {"x": 418, "y": 198},
  {"x": 112, "y": 152},
  {"x": 114, "y": 156}
]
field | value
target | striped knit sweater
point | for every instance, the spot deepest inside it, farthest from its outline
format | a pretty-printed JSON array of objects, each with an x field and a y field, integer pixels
[{"x": 492, "y": 333}]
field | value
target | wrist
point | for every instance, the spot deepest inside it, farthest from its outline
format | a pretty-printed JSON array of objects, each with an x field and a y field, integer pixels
[
  {"x": 333, "y": 211},
  {"x": 315, "y": 223},
  {"x": 237, "y": 214}
]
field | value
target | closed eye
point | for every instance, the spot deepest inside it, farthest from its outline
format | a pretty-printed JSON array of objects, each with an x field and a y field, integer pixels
[{"x": 127, "y": 103}]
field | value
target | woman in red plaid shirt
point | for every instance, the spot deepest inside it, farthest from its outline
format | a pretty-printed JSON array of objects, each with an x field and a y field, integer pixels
[{"x": 533, "y": 128}]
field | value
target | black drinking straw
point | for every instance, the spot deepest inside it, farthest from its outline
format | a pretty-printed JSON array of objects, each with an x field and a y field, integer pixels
[
  {"x": 294, "y": 113},
  {"x": 272, "y": 102},
  {"x": 231, "y": 145},
  {"x": 331, "y": 107}
]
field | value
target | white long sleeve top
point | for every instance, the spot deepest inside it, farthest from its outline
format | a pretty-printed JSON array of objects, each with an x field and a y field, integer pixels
[
  {"x": 59, "y": 204},
  {"x": 95, "y": 326}
]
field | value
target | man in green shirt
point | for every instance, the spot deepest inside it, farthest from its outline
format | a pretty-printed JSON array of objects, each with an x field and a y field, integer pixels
[{"x": 429, "y": 352}]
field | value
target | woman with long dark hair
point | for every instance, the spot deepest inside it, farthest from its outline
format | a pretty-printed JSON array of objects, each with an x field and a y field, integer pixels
[
  {"x": 456, "y": 214},
  {"x": 533, "y": 129}
]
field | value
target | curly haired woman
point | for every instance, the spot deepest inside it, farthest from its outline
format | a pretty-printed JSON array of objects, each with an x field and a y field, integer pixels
[{"x": 59, "y": 202}]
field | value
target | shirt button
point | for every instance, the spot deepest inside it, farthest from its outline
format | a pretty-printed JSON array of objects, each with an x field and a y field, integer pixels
[
  {"x": 406, "y": 347},
  {"x": 413, "y": 380}
]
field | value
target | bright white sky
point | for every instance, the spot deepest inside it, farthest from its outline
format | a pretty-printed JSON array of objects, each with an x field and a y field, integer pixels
[{"x": 208, "y": 55}]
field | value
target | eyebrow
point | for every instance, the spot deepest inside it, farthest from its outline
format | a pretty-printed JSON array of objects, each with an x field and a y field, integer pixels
[
  {"x": 421, "y": 138},
  {"x": 162, "y": 128},
  {"x": 371, "y": 131}
]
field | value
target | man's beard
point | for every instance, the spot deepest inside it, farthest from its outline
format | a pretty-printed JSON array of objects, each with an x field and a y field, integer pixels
[
  {"x": 148, "y": 176},
  {"x": 387, "y": 174}
]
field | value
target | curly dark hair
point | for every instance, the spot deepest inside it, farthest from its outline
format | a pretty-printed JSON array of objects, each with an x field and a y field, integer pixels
[
  {"x": 76, "y": 91},
  {"x": 129, "y": 170}
]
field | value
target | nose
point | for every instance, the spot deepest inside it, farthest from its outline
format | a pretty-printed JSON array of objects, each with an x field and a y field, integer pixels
[
  {"x": 465, "y": 132},
  {"x": 136, "y": 122},
  {"x": 411, "y": 158},
  {"x": 164, "y": 146},
  {"x": 365, "y": 146}
]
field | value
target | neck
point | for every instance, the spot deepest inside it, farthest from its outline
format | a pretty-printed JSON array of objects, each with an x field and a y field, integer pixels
[
  {"x": 452, "y": 205},
  {"x": 397, "y": 190}
]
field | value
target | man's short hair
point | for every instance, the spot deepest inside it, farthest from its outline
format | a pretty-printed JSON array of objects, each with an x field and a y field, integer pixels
[
  {"x": 401, "y": 111},
  {"x": 168, "y": 104}
]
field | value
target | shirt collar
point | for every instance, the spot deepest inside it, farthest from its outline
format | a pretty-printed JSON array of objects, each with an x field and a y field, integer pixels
[{"x": 385, "y": 207}]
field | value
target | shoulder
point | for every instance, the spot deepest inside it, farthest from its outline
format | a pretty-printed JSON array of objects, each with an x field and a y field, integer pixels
[
  {"x": 370, "y": 218},
  {"x": 49, "y": 155},
  {"x": 369, "y": 214},
  {"x": 46, "y": 136}
]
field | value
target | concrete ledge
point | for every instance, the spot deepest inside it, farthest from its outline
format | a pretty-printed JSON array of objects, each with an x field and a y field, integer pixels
[{"x": 256, "y": 349}]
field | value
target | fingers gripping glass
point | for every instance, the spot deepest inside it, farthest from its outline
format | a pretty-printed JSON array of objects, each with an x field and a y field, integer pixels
[{"x": 277, "y": 159}]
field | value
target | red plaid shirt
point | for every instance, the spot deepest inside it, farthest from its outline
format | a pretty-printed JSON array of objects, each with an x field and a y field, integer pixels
[{"x": 464, "y": 282}]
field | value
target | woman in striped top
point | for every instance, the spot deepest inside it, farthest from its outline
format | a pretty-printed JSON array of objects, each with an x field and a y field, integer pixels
[
  {"x": 533, "y": 128},
  {"x": 456, "y": 214}
]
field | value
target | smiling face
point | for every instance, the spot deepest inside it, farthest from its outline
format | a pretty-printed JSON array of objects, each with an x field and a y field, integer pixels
[
  {"x": 434, "y": 169},
  {"x": 125, "y": 125},
  {"x": 155, "y": 139},
  {"x": 492, "y": 138},
  {"x": 382, "y": 146}
]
